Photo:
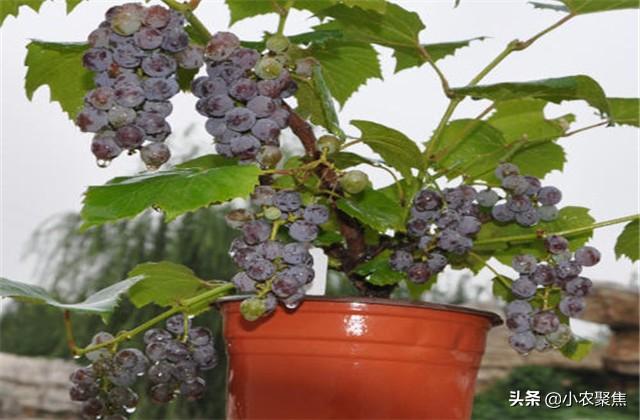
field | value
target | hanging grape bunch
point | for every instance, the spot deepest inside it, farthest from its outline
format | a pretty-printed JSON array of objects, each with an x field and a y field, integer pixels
[
  {"x": 242, "y": 98},
  {"x": 275, "y": 269},
  {"x": 526, "y": 202},
  {"x": 441, "y": 225},
  {"x": 135, "y": 54},
  {"x": 178, "y": 354},
  {"x": 104, "y": 387},
  {"x": 540, "y": 328}
]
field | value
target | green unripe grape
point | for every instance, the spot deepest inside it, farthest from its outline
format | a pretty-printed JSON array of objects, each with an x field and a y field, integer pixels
[
  {"x": 272, "y": 213},
  {"x": 278, "y": 43},
  {"x": 329, "y": 143},
  {"x": 559, "y": 337},
  {"x": 354, "y": 181},
  {"x": 268, "y": 68},
  {"x": 269, "y": 156},
  {"x": 283, "y": 59},
  {"x": 252, "y": 308}
]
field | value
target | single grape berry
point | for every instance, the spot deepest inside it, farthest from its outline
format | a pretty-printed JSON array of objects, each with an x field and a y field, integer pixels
[
  {"x": 524, "y": 264},
  {"x": 328, "y": 144},
  {"x": 587, "y": 256},
  {"x": 354, "y": 181},
  {"x": 544, "y": 322},
  {"x": 523, "y": 342},
  {"x": 556, "y": 244}
]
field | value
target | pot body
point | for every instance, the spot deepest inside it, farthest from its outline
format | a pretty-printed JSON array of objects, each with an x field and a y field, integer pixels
[{"x": 362, "y": 359}]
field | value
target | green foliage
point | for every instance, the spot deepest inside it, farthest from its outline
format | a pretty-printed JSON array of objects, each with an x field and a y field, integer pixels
[
  {"x": 576, "y": 349},
  {"x": 346, "y": 66},
  {"x": 102, "y": 302},
  {"x": 569, "y": 88},
  {"x": 72, "y": 4},
  {"x": 505, "y": 241},
  {"x": 52, "y": 64},
  {"x": 11, "y": 7},
  {"x": 397, "y": 150},
  {"x": 625, "y": 111},
  {"x": 628, "y": 242},
  {"x": 407, "y": 58},
  {"x": 581, "y": 7},
  {"x": 174, "y": 192},
  {"x": 373, "y": 208},
  {"x": 379, "y": 272},
  {"x": 162, "y": 283},
  {"x": 501, "y": 288}
]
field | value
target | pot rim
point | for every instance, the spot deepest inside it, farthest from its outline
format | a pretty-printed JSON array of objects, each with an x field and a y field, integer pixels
[{"x": 494, "y": 318}]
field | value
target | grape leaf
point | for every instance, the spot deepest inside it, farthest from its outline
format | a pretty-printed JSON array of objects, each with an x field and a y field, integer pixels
[
  {"x": 576, "y": 349},
  {"x": 504, "y": 249},
  {"x": 242, "y": 9},
  {"x": 72, "y": 4},
  {"x": 397, "y": 28},
  {"x": 51, "y": 64},
  {"x": 581, "y": 7},
  {"x": 555, "y": 90},
  {"x": 346, "y": 66},
  {"x": 162, "y": 283},
  {"x": 394, "y": 147},
  {"x": 374, "y": 208},
  {"x": 174, "y": 192},
  {"x": 103, "y": 302},
  {"x": 310, "y": 104},
  {"x": 378, "y": 271},
  {"x": 408, "y": 57},
  {"x": 625, "y": 111},
  {"x": 521, "y": 119},
  {"x": 549, "y": 6},
  {"x": 627, "y": 244},
  {"x": 11, "y": 7},
  {"x": 501, "y": 288},
  {"x": 472, "y": 147},
  {"x": 344, "y": 160}
]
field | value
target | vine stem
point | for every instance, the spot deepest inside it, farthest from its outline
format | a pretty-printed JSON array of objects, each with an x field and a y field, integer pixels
[
  {"x": 567, "y": 232},
  {"x": 68, "y": 329},
  {"x": 187, "y": 10},
  {"x": 502, "y": 279},
  {"x": 187, "y": 304},
  {"x": 454, "y": 102},
  {"x": 284, "y": 14},
  {"x": 443, "y": 80}
]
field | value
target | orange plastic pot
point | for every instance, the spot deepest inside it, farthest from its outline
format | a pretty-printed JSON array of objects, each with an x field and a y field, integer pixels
[{"x": 355, "y": 359}]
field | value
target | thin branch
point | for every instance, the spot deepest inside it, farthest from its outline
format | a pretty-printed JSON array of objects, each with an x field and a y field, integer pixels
[
  {"x": 567, "y": 232},
  {"x": 68, "y": 328},
  {"x": 187, "y": 10},
  {"x": 443, "y": 80},
  {"x": 511, "y": 47}
]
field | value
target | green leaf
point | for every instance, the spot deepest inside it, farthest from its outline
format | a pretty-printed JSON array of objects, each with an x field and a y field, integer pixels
[
  {"x": 11, "y": 7},
  {"x": 627, "y": 243},
  {"x": 581, "y": 7},
  {"x": 310, "y": 105},
  {"x": 549, "y": 6},
  {"x": 374, "y": 208},
  {"x": 397, "y": 28},
  {"x": 174, "y": 192},
  {"x": 344, "y": 160},
  {"x": 315, "y": 37},
  {"x": 522, "y": 119},
  {"x": 102, "y": 303},
  {"x": 242, "y": 9},
  {"x": 51, "y": 64},
  {"x": 503, "y": 247},
  {"x": 472, "y": 147},
  {"x": 408, "y": 57},
  {"x": 207, "y": 162},
  {"x": 71, "y": 4},
  {"x": 576, "y": 349},
  {"x": 394, "y": 147},
  {"x": 569, "y": 88},
  {"x": 625, "y": 111},
  {"x": 378, "y": 271},
  {"x": 346, "y": 66},
  {"x": 185, "y": 77},
  {"x": 163, "y": 283}
]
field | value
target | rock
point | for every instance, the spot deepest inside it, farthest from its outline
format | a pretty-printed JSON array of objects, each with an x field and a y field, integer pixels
[{"x": 614, "y": 305}]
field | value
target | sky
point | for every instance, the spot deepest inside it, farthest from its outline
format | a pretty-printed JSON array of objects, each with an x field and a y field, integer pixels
[{"x": 46, "y": 164}]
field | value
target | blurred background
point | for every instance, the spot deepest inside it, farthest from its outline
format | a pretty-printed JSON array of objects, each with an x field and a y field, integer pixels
[{"x": 46, "y": 165}]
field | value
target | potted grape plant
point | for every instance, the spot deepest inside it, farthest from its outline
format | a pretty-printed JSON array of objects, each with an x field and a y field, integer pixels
[{"x": 474, "y": 191}]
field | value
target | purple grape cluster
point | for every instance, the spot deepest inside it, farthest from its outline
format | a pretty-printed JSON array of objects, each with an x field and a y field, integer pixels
[
  {"x": 541, "y": 329},
  {"x": 178, "y": 353},
  {"x": 242, "y": 98},
  {"x": 275, "y": 269},
  {"x": 442, "y": 224},
  {"x": 104, "y": 387},
  {"x": 526, "y": 201},
  {"x": 135, "y": 54}
]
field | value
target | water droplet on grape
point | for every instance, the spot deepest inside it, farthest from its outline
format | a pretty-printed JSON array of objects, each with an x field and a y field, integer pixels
[
  {"x": 151, "y": 168},
  {"x": 102, "y": 163},
  {"x": 292, "y": 305},
  {"x": 130, "y": 410}
]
